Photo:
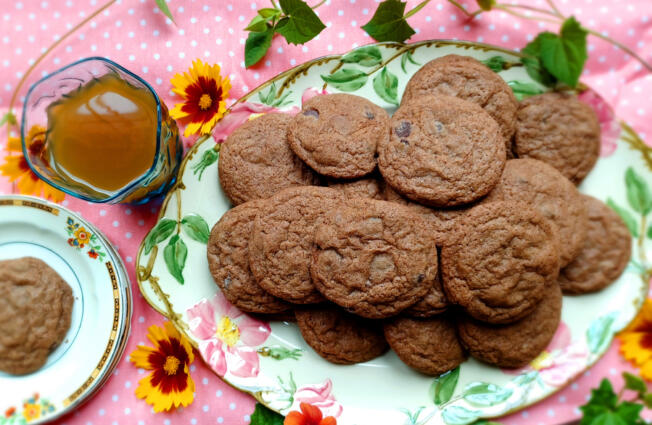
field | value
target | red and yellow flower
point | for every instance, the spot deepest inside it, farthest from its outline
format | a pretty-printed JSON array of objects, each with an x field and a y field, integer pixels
[
  {"x": 636, "y": 341},
  {"x": 169, "y": 385},
  {"x": 204, "y": 92},
  {"x": 15, "y": 167},
  {"x": 309, "y": 415}
]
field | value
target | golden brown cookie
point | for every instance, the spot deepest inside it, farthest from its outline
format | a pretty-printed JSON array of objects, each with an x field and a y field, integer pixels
[
  {"x": 468, "y": 79},
  {"x": 228, "y": 261},
  {"x": 606, "y": 252},
  {"x": 516, "y": 344},
  {"x": 368, "y": 187},
  {"x": 337, "y": 134},
  {"x": 340, "y": 337},
  {"x": 499, "y": 261},
  {"x": 430, "y": 346},
  {"x": 442, "y": 151},
  {"x": 35, "y": 313},
  {"x": 280, "y": 247},
  {"x": 256, "y": 161},
  {"x": 558, "y": 129},
  {"x": 370, "y": 258}
]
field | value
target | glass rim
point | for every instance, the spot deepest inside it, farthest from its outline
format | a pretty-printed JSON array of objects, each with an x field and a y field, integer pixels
[{"x": 130, "y": 187}]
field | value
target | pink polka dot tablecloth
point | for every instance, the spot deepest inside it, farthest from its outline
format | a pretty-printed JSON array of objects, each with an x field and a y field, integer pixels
[{"x": 137, "y": 35}]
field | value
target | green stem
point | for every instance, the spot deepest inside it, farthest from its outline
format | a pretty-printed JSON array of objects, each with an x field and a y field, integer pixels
[
  {"x": 318, "y": 4},
  {"x": 466, "y": 12},
  {"x": 508, "y": 10},
  {"x": 554, "y": 8},
  {"x": 622, "y": 47},
  {"x": 417, "y": 8},
  {"x": 532, "y": 9}
]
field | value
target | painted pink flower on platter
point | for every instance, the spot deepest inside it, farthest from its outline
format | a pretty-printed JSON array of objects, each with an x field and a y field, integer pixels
[
  {"x": 609, "y": 125},
  {"x": 228, "y": 337},
  {"x": 318, "y": 395}
]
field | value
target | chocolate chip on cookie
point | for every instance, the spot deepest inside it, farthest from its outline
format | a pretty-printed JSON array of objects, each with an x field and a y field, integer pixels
[{"x": 433, "y": 303}]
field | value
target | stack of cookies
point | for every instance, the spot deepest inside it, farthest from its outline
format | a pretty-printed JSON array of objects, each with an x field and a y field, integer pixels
[{"x": 451, "y": 227}]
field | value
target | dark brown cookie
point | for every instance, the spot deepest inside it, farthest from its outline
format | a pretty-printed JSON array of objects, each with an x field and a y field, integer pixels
[
  {"x": 35, "y": 313},
  {"x": 340, "y": 337},
  {"x": 606, "y": 252},
  {"x": 551, "y": 194},
  {"x": 228, "y": 261},
  {"x": 430, "y": 346},
  {"x": 370, "y": 258},
  {"x": 432, "y": 304},
  {"x": 468, "y": 79},
  {"x": 256, "y": 160},
  {"x": 337, "y": 134},
  {"x": 442, "y": 151},
  {"x": 516, "y": 344},
  {"x": 280, "y": 247},
  {"x": 558, "y": 129},
  {"x": 369, "y": 187},
  {"x": 499, "y": 261}
]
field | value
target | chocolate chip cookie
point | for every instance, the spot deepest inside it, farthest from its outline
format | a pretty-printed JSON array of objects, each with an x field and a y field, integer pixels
[
  {"x": 368, "y": 187},
  {"x": 430, "y": 346},
  {"x": 551, "y": 194},
  {"x": 468, "y": 79},
  {"x": 35, "y": 313},
  {"x": 442, "y": 151},
  {"x": 499, "y": 261},
  {"x": 228, "y": 261},
  {"x": 432, "y": 304},
  {"x": 558, "y": 129},
  {"x": 280, "y": 247},
  {"x": 516, "y": 344},
  {"x": 605, "y": 254},
  {"x": 340, "y": 337},
  {"x": 256, "y": 161},
  {"x": 370, "y": 258},
  {"x": 337, "y": 134}
]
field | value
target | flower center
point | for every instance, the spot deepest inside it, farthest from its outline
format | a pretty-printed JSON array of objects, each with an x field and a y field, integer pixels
[
  {"x": 205, "y": 102},
  {"x": 541, "y": 361},
  {"x": 228, "y": 331},
  {"x": 171, "y": 365}
]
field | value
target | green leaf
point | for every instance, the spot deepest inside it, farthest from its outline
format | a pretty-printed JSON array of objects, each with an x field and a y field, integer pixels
[
  {"x": 525, "y": 378},
  {"x": 165, "y": 9},
  {"x": 599, "y": 332},
  {"x": 629, "y": 412},
  {"x": 196, "y": 227},
  {"x": 300, "y": 23},
  {"x": 364, "y": 56},
  {"x": 269, "y": 13},
  {"x": 257, "y": 24},
  {"x": 8, "y": 118},
  {"x": 649, "y": 232},
  {"x": 417, "y": 8},
  {"x": 346, "y": 79},
  {"x": 257, "y": 46},
  {"x": 495, "y": 63},
  {"x": 264, "y": 416},
  {"x": 388, "y": 22},
  {"x": 159, "y": 233},
  {"x": 629, "y": 220},
  {"x": 485, "y": 394},
  {"x": 444, "y": 385},
  {"x": 638, "y": 192},
  {"x": 456, "y": 415},
  {"x": 532, "y": 61},
  {"x": 386, "y": 86},
  {"x": 564, "y": 55},
  {"x": 407, "y": 56},
  {"x": 281, "y": 353},
  {"x": 647, "y": 399},
  {"x": 207, "y": 159},
  {"x": 634, "y": 383},
  {"x": 486, "y": 4},
  {"x": 175, "y": 254},
  {"x": 523, "y": 90}
]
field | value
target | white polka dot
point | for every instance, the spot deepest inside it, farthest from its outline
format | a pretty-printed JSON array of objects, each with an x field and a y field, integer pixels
[
  {"x": 143, "y": 45},
  {"x": 562, "y": 399},
  {"x": 129, "y": 259},
  {"x": 232, "y": 406},
  {"x": 180, "y": 9},
  {"x": 182, "y": 31},
  {"x": 101, "y": 412},
  {"x": 116, "y": 223},
  {"x": 525, "y": 414},
  {"x": 219, "y": 393},
  {"x": 127, "y": 411},
  {"x": 193, "y": 421},
  {"x": 193, "y": 43},
  {"x": 132, "y": 58},
  {"x": 114, "y": 398},
  {"x": 504, "y": 37},
  {"x": 442, "y": 28},
  {"x": 166, "y": 422},
  {"x": 130, "y": 34},
  {"x": 118, "y": 46},
  {"x": 220, "y": 419},
  {"x": 102, "y": 213},
  {"x": 182, "y": 55},
  {"x": 551, "y": 412},
  {"x": 205, "y": 408},
  {"x": 247, "y": 418},
  {"x": 169, "y": 68},
  {"x": 143, "y": 22}
]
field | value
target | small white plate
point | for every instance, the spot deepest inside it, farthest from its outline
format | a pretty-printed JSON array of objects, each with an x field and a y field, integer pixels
[{"x": 100, "y": 317}]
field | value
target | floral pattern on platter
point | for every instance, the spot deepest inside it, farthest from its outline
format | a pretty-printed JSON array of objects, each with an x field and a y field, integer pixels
[
  {"x": 609, "y": 125},
  {"x": 318, "y": 395},
  {"x": 228, "y": 337},
  {"x": 81, "y": 238},
  {"x": 34, "y": 408}
]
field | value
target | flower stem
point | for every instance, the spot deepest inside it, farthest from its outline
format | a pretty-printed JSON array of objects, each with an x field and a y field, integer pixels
[
  {"x": 507, "y": 9},
  {"x": 554, "y": 8},
  {"x": 466, "y": 12},
  {"x": 532, "y": 9},
  {"x": 318, "y": 4}
]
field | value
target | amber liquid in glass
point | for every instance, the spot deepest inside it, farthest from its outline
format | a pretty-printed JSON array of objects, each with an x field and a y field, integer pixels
[{"x": 103, "y": 135}]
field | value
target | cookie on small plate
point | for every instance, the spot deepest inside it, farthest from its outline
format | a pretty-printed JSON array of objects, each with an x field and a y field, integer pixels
[
  {"x": 340, "y": 337},
  {"x": 337, "y": 134},
  {"x": 368, "y": 187},
  {"x": 280, "y": 247},
  {"x": 430, "y": 346},
  {"x": 558, "y": 129},
  {"x": 228, "y": 261},
  {"x": 516, "y": 344},
  {"x": 551, "y": 194},
  {"x": 499, "y": 261},
  {"x": 605, "y": 254},
  {"x": 256, "y": 161},
  {"x": 468, "y": 79},
  {"x": 370, "y": 258},
  {"x": 442, "y": 151}
]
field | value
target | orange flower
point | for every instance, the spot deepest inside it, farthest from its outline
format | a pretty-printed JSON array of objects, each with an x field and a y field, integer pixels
[
  {"x": 204, "y": 92},
  {"x": 636, "y": 341},
  {"x": 16, "y": 168},
  {"x": 309, "y": 415}
]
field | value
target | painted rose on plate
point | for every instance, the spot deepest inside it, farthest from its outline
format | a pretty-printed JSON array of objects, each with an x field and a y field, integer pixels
[{"x": 318, "y": 395}]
